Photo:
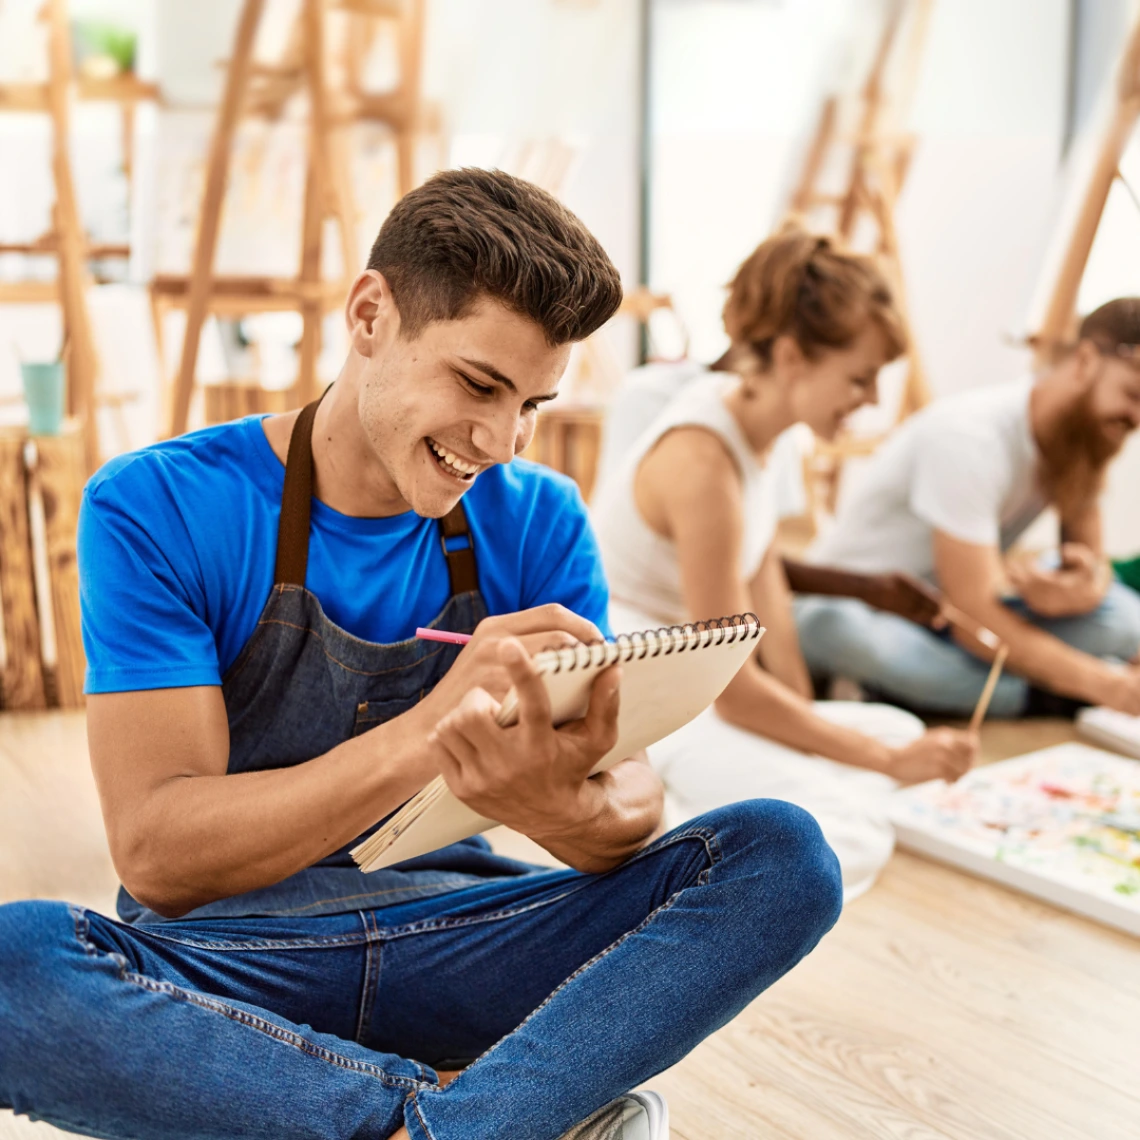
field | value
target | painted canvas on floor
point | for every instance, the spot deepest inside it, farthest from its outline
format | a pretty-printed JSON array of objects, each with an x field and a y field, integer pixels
[{"x": 1062, "y": 824}]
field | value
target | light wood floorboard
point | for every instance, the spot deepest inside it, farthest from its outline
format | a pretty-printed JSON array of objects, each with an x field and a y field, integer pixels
[{"x": 941, "y": 1007}]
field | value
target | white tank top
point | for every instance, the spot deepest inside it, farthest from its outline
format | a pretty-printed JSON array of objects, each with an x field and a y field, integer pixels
[{"x": 642, "y": 567}]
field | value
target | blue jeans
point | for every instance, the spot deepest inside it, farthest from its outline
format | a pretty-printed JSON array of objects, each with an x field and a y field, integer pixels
[
  {"x": 904, "y": 662},
  {"x": 569, "y": 989}
]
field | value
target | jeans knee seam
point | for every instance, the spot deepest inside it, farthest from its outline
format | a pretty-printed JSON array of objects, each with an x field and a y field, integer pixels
[
  {"x": 274, "y": 1032},
  {"x": 239, "y": 1016}
]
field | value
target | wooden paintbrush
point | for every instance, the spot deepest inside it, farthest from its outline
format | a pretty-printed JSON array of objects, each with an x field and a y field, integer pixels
[
  {"x": 988, "y": 690},
  {"x": 968, "y": 625}
]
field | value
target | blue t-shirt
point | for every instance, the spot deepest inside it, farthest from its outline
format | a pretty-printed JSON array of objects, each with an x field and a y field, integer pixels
[{"x": 177, "y": 544}]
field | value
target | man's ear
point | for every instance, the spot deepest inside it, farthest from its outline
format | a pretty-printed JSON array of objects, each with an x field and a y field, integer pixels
[
  {"x": 370, "y": 313},
  {"x": 1088, "y": 362}
]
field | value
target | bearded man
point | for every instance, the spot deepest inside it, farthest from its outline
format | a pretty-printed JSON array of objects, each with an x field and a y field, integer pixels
[{"x": 947, "y": 497}]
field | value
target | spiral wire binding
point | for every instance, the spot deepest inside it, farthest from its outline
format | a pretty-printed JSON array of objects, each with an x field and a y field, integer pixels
[{"x": 663, "y": 641}]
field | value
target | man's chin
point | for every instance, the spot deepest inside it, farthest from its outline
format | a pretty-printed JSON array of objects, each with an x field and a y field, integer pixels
[{"x": 434, "y": 504}]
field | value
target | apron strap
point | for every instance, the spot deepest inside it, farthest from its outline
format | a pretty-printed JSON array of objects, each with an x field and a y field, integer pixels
[
  {"x": 461, "y": 567},
  {"x": 296, "y": 502},
  {"x": 296, "y": 508}
]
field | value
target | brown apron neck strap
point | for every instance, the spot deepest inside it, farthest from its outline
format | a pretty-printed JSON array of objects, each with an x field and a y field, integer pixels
[
  {"x": 296, "y": 502},
  {"x": 459, "y": 550},
  {"x": 296, "y": 508}
]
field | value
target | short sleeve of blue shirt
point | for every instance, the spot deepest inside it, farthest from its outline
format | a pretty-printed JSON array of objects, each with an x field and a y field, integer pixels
[{"x": 177, "y": 544}]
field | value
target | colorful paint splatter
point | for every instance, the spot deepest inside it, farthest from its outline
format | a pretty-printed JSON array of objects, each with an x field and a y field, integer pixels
[{"x": 1062, "y": 820}]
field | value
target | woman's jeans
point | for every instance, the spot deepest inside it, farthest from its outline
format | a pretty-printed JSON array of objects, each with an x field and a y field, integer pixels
[
  {"x": 569, "y": 989},
  {"x": 908, "y": 664}
]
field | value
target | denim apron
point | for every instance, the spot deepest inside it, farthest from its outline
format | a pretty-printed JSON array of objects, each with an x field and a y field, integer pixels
[{"x": 301, "y": 685}]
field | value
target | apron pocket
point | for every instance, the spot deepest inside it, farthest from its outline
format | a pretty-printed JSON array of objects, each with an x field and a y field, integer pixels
[{"x": 371, "y": 713}]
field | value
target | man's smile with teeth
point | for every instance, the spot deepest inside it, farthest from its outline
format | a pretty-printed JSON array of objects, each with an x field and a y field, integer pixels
[{"x": 451, "y": 463}]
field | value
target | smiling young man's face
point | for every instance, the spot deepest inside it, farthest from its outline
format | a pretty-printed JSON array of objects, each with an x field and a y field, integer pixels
[{"x": 441, "y": 407}]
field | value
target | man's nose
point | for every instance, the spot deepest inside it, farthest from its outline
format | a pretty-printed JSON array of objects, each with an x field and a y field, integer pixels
[{"x": 495, "y": 437}]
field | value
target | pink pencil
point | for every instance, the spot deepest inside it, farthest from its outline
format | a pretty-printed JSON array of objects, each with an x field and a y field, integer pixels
[{"x": 443, "y": 635}]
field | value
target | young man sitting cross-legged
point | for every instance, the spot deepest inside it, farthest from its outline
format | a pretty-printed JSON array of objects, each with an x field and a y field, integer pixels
[{"x": 258, "y": 701}]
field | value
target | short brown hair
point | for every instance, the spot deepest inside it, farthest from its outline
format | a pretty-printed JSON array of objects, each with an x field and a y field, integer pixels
[
  {"x": 466, "y": 234},
  {"x": 798, "y": 284},
  {"x": 1114, "y": 324}
]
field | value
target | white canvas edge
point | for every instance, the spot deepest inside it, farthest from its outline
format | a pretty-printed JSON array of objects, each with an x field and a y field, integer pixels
[{"x": 1057, "y": 894}]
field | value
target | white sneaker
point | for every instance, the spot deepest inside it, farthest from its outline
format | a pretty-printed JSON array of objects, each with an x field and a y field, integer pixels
[{"x": 635, "y": 1116}]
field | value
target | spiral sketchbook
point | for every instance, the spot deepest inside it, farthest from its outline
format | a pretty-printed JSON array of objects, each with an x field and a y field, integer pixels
[{"x": 668, "y": 677}]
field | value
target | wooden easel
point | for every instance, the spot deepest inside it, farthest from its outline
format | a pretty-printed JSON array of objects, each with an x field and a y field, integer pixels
[
  {"x": 1057, "y": 323},
  {"x": 253, "y": 88},
  {"x": 66, "y": 239},
  {"x": 876, "y": 169}
]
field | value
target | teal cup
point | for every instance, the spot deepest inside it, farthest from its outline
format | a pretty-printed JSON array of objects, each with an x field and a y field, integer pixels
[{"x": 43, "y": 391}]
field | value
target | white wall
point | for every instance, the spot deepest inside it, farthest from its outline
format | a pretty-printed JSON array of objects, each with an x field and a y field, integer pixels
[
  {"x": 973, "y": 223},
  {"x": 733, "y": 92}
]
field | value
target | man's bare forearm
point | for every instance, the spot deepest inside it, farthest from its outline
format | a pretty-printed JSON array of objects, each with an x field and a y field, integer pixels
[
  {"x": 1039, "y": 655},
  {"x": 622, "y": 810},
  {"x": 805, "y": 578},
  {"x": 198, "y": 838}
]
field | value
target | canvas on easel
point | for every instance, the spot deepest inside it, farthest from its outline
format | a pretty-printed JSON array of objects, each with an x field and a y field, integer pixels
[{"x": 851, "y": 178}]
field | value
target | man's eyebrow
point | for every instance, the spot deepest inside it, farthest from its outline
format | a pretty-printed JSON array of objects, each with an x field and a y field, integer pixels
[{"x": 490, "y": 370}]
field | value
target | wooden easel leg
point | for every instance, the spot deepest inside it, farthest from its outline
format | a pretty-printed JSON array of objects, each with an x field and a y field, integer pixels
[
  {"x": 1055, "y": 326},
  {"x": 411, "y": 77},
  {"x": 311, "y": 308},
  {"x": 82, "y": 365},
  {"x": 316, "y": 199},
  {"x": 342, "y": 204},
  {"x": 824, "y": 133},
  {"x": 209, "y": 222}
]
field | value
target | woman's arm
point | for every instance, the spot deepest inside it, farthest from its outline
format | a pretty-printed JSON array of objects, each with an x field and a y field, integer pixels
[
  {"x": 703, "y": 515},
  {"x": 780, "y": 646},
  {"x": 688, "y": 489}
]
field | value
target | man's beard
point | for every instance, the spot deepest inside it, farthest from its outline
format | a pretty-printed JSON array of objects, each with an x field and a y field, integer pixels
[{"x": 1075, "y": 455}]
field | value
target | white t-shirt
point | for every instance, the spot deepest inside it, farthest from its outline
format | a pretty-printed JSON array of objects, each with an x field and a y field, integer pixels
[{"x": 965, "y": 465}]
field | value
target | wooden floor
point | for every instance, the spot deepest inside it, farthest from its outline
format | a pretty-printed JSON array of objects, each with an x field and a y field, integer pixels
[{"x": 940, "y": 1008}]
